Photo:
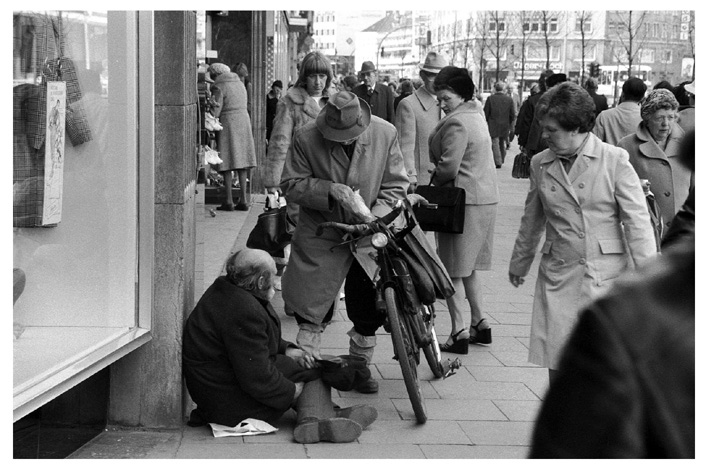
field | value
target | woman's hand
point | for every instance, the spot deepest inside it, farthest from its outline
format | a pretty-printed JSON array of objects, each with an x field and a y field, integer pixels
[
  {"x": 516, "y": 280},
  {"x": 302, "y": 357}
]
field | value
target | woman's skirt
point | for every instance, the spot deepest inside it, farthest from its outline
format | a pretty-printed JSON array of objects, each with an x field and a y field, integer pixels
[{"x": 471, "y": 250}]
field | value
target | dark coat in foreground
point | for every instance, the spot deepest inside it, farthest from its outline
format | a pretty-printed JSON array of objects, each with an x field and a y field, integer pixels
[
  {"x": 626, "y": 383},
  {"x": 233, "y": 357}
]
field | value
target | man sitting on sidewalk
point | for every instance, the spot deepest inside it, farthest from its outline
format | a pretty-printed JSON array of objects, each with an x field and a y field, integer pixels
[{"x": 237, "y": 366}]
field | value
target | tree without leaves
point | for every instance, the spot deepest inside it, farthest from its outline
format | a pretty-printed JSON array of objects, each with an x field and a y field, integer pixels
[
  {"x": 630, "y": 35},
  {"x": 583, "y": 20},
  {"x": 498, "y": 39}
]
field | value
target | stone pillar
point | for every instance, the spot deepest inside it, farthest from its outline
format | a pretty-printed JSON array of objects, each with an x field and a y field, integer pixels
[{"x": 146, "y": 385}]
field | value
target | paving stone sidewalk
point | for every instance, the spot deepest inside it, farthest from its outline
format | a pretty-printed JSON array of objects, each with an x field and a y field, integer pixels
[{"x": 486, "y": 410}]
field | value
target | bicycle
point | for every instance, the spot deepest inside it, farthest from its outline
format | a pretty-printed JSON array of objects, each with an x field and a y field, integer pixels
[{"x": 409, "y": 319}]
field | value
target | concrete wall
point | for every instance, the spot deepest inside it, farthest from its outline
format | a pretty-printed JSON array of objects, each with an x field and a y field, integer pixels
[{"x": 146, "y": 385}]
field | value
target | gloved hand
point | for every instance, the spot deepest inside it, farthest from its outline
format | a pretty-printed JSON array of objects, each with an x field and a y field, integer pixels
[{"x": 351, "y": 202}]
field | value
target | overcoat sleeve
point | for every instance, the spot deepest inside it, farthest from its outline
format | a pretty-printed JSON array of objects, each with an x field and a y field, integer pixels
[
  {"x": 454, "y": 140},
  {"x": 278, "y": 147},
  {"x": 407, "y": 133},
  {"x": 394, "y": 181},
  {"x": 391, "y": 106},
  {"x": 633, "y": 210},
  {"x": 246, "y": 342},
  {"x": 298, "y": 182},
  {"x": 217, "y": 95},
  {"x": 532, "y": 227}
]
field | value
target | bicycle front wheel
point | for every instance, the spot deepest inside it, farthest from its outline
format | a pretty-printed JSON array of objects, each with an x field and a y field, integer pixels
[{"x": 405, "y": 352}]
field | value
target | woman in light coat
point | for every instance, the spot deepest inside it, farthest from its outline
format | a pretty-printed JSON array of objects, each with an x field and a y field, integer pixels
[
  {"x": 595, "y": 218},
  {"x": 461, "y": 149},
  {"x": 236, "y": 145},
  {"x": 654, "y": 152}
]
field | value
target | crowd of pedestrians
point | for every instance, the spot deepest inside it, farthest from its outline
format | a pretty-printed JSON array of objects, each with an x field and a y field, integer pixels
[{"x": 346, "y": 149}]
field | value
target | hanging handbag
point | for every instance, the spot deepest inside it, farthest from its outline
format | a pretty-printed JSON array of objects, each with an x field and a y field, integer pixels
[
  {"x": 521, "y": 166},
  {"x": 449, "y": 212},
  {"x": 273, "y": 230}
]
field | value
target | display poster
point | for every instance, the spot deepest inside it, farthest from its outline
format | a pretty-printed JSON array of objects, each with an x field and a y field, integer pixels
[{"x": 54, "y": 152}]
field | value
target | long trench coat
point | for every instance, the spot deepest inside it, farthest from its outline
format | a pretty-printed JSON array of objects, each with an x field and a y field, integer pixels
[
  {"x": 670, "y": 180},
  {"x": 236, "y": 145},
  {"x": 316, "y": 269},
  {"x": 596, "y": 222}
]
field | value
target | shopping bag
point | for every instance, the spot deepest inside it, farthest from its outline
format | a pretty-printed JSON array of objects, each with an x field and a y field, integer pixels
[
  {"x": 448, "y": 214},
  {"x": 273, "y": 230}
]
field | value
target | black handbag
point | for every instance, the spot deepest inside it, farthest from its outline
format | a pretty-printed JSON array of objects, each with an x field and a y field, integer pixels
[
  {"x": 521, "y": 166},
  {"x": 273, "y": 230},
  {"x": 448, "y": 216}
]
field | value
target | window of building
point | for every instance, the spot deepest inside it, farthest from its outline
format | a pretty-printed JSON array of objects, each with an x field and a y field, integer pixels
[
  {"x": 81, "y": 249},
  {"x": 496, "y": 25},
  {"x": 667, "y": 56},
  {"x": 647, "y": 56},
  {"x": 584, "y": 24}
]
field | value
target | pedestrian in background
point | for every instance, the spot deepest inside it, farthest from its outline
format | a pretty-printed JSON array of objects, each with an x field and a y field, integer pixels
[
  {"x": 273, "y": 97},
  {"x": 526, "y": 114},
  {"x": 600, "y": 101},
  {"x": 406, "y": 89},
  {"x": 242, "y": 70},
  {"x": 685, "y": 93},
  {"x": 654, "y": 152},
  {"x": 350, "y": 82},
  {"x": 535, "y": 142},
  {"x": 377, "y": 95},
  {"x": 415, "y": 118},
  {"x": 615, "y": 123},
  {"x": 500, "y": 113},
  {"x": 587, "y": 201},
  {"x": 461, "y": 150},
  {"x": 236, "y": 146}
]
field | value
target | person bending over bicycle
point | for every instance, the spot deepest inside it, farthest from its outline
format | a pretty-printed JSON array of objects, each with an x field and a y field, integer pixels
[{"x": 343, "y": 163}]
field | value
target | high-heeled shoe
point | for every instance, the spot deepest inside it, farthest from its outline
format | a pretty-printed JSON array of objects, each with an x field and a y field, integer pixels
[
  {"x": 480, "y": 336},
  {"x": 459, "y": 345}
]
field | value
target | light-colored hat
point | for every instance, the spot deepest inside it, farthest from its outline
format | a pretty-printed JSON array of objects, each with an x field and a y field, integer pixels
[
  {"x": 218, "y": 68},
  {"x": 367, "y": 67},
  {"x": 344, "y": 117},
  {"x": 691, "y": 87},
  {"x": 434, "y": 62}
]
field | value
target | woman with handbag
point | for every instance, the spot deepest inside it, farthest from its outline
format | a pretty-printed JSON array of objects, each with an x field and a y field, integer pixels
[{"x": 461, "y": 149}]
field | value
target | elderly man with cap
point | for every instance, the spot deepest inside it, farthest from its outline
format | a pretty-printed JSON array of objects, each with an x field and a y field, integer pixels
[
  {"x": 378, "y": 96},
  {"x": 500, "y": 113},
  {"x": 346, "y": 166},
  {"x": 416, "y": 116}
]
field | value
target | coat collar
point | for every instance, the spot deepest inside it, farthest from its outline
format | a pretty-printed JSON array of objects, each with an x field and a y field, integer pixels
[
  {"x": 227, "y": 77},
  {"x": 426, "y": 99},
  {"x": 472, "y": 106},
  {"x": 649, "y": 147},
  {"x": 300, "y": 97}
]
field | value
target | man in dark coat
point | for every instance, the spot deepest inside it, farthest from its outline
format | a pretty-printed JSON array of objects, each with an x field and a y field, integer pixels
[
  {"x": 535, "y": 143},
  {"x": 600, "y": 101},
  {"x": 237, "y": 366},
  {"x": 500, "y": 113},
  {"x": 378, "y": 96}
]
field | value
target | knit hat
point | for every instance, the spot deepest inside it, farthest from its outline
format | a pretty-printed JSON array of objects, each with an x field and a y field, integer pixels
[{"x": 218, "y": 69}]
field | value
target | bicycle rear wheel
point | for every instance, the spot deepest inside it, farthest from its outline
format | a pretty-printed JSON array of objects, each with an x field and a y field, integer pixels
[
  {"x": 432, "y": 351},
  {"x": 404, "y": 349}
]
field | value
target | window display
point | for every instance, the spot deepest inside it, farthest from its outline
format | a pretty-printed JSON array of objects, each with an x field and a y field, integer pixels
[{"x": 75, "y": 188}]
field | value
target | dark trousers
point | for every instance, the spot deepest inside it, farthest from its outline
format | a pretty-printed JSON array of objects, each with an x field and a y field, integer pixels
[{"x": 360, "y": 303}]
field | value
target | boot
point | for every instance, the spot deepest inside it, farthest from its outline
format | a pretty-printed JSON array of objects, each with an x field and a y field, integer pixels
[
  {"x": 364, "y": 415},
  {"x": 363, "y": 346},
  {"x": 309, "y": 338},
  {"x": 317, "y": 420}
]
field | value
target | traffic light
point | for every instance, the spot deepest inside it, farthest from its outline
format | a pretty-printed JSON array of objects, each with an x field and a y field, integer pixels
[{"x": 594, "y": 69}]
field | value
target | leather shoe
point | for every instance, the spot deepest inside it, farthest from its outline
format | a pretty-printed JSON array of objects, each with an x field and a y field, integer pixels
[
  {"x": 369, "y": 386},
  {"x": 480, "y": 336},
  {"x": 364, "y": 415},
  {"x": 458, "y": 346}
]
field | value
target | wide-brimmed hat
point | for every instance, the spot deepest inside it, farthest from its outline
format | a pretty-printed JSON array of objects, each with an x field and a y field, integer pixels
[
  {"x": 367, "y": 67},
  {"x": 344, "y": 117},
  {"x": 434, "y": 62}
]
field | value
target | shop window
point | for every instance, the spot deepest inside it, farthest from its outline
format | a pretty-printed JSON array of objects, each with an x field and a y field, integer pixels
[{"x": 77, "y": 275}]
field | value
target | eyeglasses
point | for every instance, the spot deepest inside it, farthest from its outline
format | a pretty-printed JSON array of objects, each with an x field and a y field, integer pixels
[{"x": 661, "y": 119}]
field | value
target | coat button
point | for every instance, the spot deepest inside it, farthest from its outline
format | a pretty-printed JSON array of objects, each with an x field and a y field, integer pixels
[
  {"x": 581, "y": 185},
  {"x": 667, "y": 193},
  {"x": 577, "y": 210},
  {"x": 664, "y": 162},
  {"x": 581, "y": 235},
  {"x": 582, "y": 261},
  {"x": 553, "y": 188}
]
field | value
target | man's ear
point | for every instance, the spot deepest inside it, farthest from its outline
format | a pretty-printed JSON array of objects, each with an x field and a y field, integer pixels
[{"x": 260, "y": 282}]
